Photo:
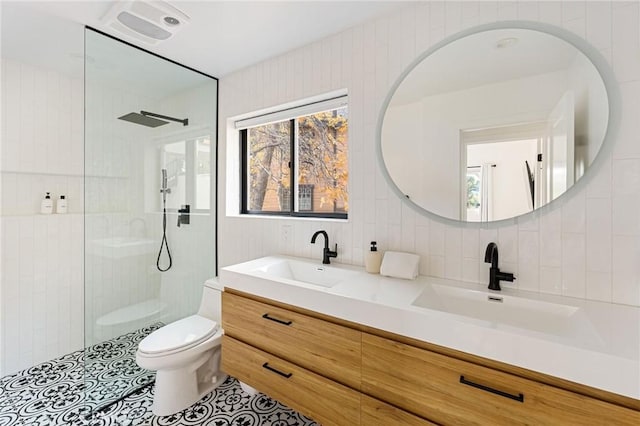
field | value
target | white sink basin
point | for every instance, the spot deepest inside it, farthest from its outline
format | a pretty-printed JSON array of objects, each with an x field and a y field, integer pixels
[
  {"x": 305, "y": 272},
  {"x": 502, "y": 311},
  {"x": 583, "y": 341}
]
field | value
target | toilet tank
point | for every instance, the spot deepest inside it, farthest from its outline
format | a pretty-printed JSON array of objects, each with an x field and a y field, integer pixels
[{"x": 211, "y": 303}]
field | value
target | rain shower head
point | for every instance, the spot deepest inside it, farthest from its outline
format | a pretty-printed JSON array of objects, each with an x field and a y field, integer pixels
[
  {"x": 146, "y": 118},
  {"x": 136, "y": 118}
]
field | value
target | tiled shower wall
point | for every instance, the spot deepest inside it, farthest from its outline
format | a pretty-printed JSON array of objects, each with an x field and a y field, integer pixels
[
  {"x": 42, "y": 267},
  {"x": 41, "y": 278},
  {"x": 587, "y": 246}
]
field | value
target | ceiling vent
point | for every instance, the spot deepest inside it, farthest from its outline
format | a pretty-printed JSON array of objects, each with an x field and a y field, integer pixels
[{"x": 148, "y": 21}]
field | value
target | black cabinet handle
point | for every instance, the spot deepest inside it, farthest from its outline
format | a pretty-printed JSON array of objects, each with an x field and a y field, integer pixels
[
  {"x": 270, "y": 368},
  {"x": 519, "y": 397},
  {"x": 266, "y": 316}
]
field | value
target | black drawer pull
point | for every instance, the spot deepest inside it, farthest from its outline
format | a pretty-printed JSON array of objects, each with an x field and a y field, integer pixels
[
  {"x": 266, "y": 316},
  {"x": 519, "y": 397},
  {"x": 268, "y": 367}
]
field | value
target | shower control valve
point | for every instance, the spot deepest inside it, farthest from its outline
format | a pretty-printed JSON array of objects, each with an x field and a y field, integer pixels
[{"x": 183, "y": 215}]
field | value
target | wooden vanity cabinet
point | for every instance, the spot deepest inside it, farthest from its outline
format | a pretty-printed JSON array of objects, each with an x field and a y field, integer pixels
[
  {"x": 374, "y": 412},
  {"x": 320, "y": 346},
  {"x": 322, "y": 399},
  {"x": 452, "y": 391},
  {"x": 309, "y": 364},
  {"x": 346, "y": 374}
]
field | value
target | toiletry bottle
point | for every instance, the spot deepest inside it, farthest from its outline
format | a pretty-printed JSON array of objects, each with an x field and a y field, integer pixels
[
  {"x": 61, "y": 204},
  {"x": 373, "y": 259},
  {"x": 46, "y": 207}
]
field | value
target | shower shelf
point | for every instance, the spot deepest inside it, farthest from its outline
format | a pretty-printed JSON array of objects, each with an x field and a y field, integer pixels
[
  {"x": 138, "y": 311},
  {"x": 121, "y": 247}
]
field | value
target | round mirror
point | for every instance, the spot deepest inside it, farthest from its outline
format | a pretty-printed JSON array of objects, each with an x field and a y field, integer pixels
[{"x": 494, "y": 123}]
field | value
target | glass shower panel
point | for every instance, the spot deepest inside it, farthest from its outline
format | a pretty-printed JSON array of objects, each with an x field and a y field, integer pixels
[{"x": 142, "y": 158}]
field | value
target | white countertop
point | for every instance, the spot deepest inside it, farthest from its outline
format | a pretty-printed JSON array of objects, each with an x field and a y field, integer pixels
[{"x": 603, "y": 352}]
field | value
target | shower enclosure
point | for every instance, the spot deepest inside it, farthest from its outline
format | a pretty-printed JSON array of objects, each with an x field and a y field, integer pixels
[{"x": 150, "y": 169}]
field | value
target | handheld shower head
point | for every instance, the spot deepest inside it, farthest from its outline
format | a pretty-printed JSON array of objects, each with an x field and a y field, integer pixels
[{"x": 164, "y": 189}]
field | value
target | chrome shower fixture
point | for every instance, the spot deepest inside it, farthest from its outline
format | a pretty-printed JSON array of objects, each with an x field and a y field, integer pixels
[
  {"x": 164, "y": 189},
  {"x": 151, "y": 119},
  {"x": 164, "y": 244}
]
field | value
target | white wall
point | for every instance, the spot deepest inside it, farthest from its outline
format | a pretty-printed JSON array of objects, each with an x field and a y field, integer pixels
[
  {"x": 41, "y": 278},
  {"x": 509, "y": 185},
  {"x": 590, "y": 98},
  {"x": 587, "y": 246},
  {"x": 42, "y": 264},
  {"x": 408, "y": 173},
  {"x": 437, "y": 131}
]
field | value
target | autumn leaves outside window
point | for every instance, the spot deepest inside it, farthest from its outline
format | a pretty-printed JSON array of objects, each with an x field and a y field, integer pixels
[{"x": 297, "y": 167}]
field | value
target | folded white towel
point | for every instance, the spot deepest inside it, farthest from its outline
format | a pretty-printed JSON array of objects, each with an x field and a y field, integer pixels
[{"x": 400, "y": 265}]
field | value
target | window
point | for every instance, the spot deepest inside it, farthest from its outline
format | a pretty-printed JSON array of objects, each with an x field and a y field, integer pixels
[
  {"x": 202, "y": 193},
  {"x": 174, "y": 162},
  {"x": 474, "y": 194},
  {"x": 188, "y": 166},
  {"x": 305, "y": 198},
  {"x": 297, "y": 166}
]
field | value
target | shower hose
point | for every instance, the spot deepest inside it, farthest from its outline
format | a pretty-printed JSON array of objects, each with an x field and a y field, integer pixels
[{"x": 164, "y": 242}]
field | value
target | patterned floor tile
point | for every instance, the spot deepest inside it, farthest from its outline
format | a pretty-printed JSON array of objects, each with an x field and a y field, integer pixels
[
  {"x": 68, "y": 390},
  {"x": 110, "y": 369}
]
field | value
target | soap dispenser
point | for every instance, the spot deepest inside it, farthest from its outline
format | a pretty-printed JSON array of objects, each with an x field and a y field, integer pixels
[
  {"x": 46, "y": 207},
  {"x": 373, "y": 259},
  {"x": 61, "y": 204}
]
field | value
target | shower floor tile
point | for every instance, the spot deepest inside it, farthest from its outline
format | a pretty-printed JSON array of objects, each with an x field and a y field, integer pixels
[
  {"x": 110, "y": 369},
  {"x": 57, "y": 393}
]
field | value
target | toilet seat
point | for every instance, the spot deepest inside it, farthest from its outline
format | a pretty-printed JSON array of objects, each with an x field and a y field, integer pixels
[{"x": 178, "y": 336}]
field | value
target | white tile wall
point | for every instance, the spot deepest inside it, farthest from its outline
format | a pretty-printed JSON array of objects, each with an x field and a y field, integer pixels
[
  {"x": 42, "y": 286},
  {"x": 43, "y": 123},
  {"x": 41, "y": 278},
  {"x": 587, "y": 247}
]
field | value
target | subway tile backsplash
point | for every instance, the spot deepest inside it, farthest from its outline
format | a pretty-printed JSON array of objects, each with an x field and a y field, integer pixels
[{"x": 587, "y": 246}]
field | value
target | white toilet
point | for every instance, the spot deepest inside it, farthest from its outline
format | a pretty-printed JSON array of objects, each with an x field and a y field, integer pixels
[{"x": 186, "y": 355}]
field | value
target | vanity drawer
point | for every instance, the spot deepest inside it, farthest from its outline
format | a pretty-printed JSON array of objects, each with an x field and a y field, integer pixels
[
  {"x": 377, "y": 413},
  {"x": 453, "y": 392},
  {"x": 320, "y": 346},
  {"x": 323, "y": 400}
]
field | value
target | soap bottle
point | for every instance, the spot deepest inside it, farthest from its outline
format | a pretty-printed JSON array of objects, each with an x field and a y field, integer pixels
[
  {"x": 46, "y": 207},
  {"x": 373, "y": 259},
  {"x": 61, "y": 205}
]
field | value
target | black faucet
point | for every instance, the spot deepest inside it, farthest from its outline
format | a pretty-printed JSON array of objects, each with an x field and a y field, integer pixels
[
  {"x": 495, "y": 276},
  {"x": 326, "y": 253}
]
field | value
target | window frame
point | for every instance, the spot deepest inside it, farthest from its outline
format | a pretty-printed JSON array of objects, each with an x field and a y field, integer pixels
[
  {"x": 190, "y": 141},
  {"x": 293, "y": 184}
]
